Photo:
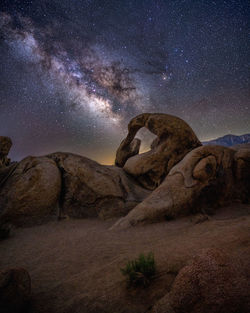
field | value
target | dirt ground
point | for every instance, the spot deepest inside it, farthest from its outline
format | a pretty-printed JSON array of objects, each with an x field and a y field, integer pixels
[{"x": 75, "y": 264}]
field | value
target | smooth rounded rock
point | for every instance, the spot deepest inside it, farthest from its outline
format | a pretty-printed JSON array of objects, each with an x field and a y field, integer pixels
[{"x": 31, "y": 192}]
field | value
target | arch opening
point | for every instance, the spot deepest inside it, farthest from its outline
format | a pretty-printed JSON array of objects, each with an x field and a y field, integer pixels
[{"x": 146, "y": 138}]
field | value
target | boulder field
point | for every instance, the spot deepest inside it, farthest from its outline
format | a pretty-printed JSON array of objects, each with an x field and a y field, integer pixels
[{"x": 177, "y": 177}]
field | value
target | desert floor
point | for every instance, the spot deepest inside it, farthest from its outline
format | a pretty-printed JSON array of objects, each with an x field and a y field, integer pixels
[{"x": 75, "y": 264}]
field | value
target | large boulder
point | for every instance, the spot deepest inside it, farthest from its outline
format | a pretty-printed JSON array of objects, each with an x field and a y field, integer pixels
[
  {"x": 208, "y": 176},
  {"x": 90, "y": 189},
  {"x": 175, "y": 139},
  {"x": 212, "y": 282},
  {"x": 64, "y": 183},
  {"x": 31, "y": 192},
  {"x": 15, "y": 288}
]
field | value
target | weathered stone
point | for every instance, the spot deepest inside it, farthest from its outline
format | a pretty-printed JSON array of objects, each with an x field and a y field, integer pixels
[
  {"x": 199, "y": 218},
  {"x": 125, "y": 151},
  {"x": 6, "y": 172},
  {"x": 174, "y": 140},
  {"x": 31, "y": 192},
  {"x": 90, "y": 189},
  {"x": 208, "y": 176},
  {"x": 212, "y": 282},
  {"x": 5, "y": 145},
  {"x": 72, "y": 185},
  {"x": 191, "y": 178},
  {"x": 15, "y": 288}
]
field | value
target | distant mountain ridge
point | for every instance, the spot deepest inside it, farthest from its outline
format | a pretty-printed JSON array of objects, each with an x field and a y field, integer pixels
[{"x": 229, "y": 140}]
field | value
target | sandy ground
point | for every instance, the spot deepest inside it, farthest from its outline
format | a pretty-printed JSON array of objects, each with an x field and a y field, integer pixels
[{"x": 75, "y": 264}]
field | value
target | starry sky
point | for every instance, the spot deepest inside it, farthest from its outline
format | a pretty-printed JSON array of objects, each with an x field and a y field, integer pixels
[{"x": 73, "y": 73}]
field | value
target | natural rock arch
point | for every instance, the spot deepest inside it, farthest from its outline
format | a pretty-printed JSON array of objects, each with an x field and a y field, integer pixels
[
  {"x": 207, "y": 176},
  {"x": 175, "y": 139},
  {"x": 191, "y": 177}
]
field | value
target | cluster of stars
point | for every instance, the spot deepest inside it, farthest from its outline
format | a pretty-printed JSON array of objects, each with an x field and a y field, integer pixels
[{"x": 74, "y": 73}]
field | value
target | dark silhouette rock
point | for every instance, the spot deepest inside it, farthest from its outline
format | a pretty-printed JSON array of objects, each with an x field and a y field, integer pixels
[
  {"x": 126, "y": 151},
  {"x": 15, "y": 288},
  {"x": 174, "y": 140},
  {"x": 4, "y": 231},
  {"x": 5, "y": 145},
  {"x": 6, "y": 167}
]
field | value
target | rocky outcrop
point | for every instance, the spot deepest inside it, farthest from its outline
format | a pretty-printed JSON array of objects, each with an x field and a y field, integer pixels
[
  {"x": 212, "y": 282},
  {"x": 64, "y": 183},
  {"x": 31, "y": 192},
  {"x": 15, "y": 288},
  {"x": 176, "y": 177},
  {"x": 5, "y": 145},
  {"x": 90, "y": 189},
  {"x": 174, "y": 140},
  {"x": 208, "y": 176},
  {"x": 126, "y": 151}
]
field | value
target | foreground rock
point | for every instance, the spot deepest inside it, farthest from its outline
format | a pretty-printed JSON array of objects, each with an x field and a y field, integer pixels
[
  {"x": 208, "y": 176},
  {"x": 213, "y": 282},
  {"x": 15, "y": 288},
  {"x": 175, "y": 139}
]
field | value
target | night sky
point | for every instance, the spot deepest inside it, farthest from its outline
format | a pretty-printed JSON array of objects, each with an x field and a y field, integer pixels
[{"x": 73, "y": 73}]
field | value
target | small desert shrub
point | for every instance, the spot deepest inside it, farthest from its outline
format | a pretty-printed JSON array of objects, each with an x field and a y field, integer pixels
[{"x": 140, "y": 271}]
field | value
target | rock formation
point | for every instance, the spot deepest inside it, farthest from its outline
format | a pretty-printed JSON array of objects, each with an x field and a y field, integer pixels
[
  {"x": 31, "y": 192},
  {"x": 5, "y": 145},
  {"x": 90, "y": 189},
  {"x": 72, "y": 184},
  {"x": 212, "y": 282},
  {"x": 208, "y": 176},
  {"x": 15, "y": 288},
  {"x": 190, "y": 177},
  {"x": 174, "y": 140}
]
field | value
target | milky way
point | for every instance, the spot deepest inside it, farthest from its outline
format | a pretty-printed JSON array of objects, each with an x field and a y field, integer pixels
[{"x": 74, "y": 72}]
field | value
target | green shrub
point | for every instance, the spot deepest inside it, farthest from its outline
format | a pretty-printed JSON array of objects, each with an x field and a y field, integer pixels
[{"x": 141, "y": 270}]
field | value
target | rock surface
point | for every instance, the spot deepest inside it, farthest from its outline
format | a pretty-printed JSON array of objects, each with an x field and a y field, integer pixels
[
  {"x": 90, "y": 189},
  {"x": 31, "y": 192},
  {"x": 15, "y": 288},
  {"x": 5, "y": 145},
  {"x": 213, "y": 282},
  {"x": 69, "y": 184},
  {"x": 174, "y": 140},
  {"x": 176, "y": 177},
  {"x": 208, "y": 176}
]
